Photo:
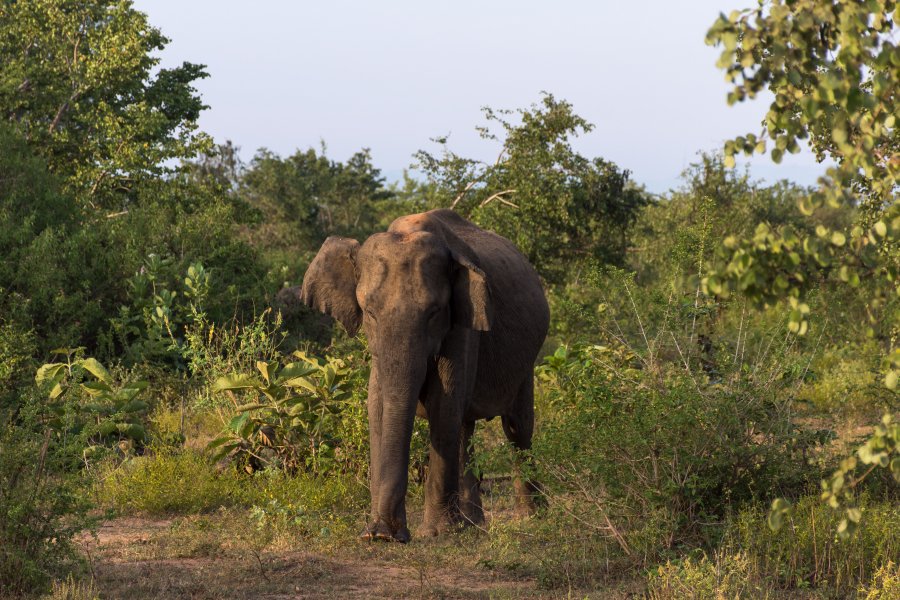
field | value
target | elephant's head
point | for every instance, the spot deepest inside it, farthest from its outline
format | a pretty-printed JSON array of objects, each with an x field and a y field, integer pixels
[
  {"x": 407, "y": 288},
  {"x": 407, "y": 291}
]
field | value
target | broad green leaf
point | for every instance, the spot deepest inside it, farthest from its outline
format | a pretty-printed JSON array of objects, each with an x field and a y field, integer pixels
[
  {"x": 49, "y": 372},
  {"x": 93, "y": 366},
  {"x": 96, "y": 388},
  {"x": 237, "y": 422},
  {"x": 294, "y": 370},
  {"x": 267, "y": 369},
  {"x": 235, "y": 382}
]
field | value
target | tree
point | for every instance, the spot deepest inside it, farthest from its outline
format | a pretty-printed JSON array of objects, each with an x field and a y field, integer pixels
[
  {"x": 834, "y": 70},
  {"x": 557, "y": 206},
  {"x": 76, "y": 80},
  {"x": 317, "y": 196}
]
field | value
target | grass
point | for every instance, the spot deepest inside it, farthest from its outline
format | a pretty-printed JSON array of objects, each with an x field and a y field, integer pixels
[{"x": 280, "y": 532}]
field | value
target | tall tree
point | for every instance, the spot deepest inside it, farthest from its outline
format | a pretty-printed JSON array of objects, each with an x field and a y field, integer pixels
[
  {"x": 77, "y": 78},
  {"x": 558, "y": 206},
  {"x": 317, "y": 196}
]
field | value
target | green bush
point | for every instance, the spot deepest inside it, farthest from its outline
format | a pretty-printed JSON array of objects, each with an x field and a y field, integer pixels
[
  {"x": 884, "y": 585},
  {"x": 287, "y": 417},
  {"x": 806, "y": 553},
  {"x": 725, "y": 576},
  {"x": 847, "y": 381},
  {"x": 654, "y": 457},
  {"x": 167, "y": 482},
  {"x": 42, "y": 507}
]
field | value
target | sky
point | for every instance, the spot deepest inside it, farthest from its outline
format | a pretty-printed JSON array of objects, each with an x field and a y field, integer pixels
[{"x": 391, "y": 75}]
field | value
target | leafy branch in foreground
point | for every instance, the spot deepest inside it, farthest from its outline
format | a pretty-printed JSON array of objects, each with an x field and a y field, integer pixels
[{"x": 834, "y": 70}]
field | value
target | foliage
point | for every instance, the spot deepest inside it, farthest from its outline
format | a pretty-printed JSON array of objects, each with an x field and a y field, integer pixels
[
  {"x": 885, "y": 584},
  {"x": 146, "y": 327},
  {"x": 186, "y": 482},
  {"x": 806, "y": 553},
  {"x": 557, "y": 206},
  {"x": 167, "y": 482},
  {"x": 101, "y": 411},
  {"x": 833, "y": 69},
  {"x": 73, "y": 589},
  {"x": 212, "y": 350},
  {"x": 41, "y": 505},
  {"x": 291, "y": 418},
  {"x": 306, "y": 197},
  {"x": 725, "y": 576},
  {"x": 78, "y": 80},
  {"x": 685, "y": 450}
]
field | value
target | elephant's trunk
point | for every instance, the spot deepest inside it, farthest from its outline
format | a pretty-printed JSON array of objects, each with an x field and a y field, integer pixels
[{"x": 401, "y": 376}]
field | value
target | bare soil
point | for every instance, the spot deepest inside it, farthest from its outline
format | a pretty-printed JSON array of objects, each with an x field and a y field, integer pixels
[{"x": 159, "y": 558}]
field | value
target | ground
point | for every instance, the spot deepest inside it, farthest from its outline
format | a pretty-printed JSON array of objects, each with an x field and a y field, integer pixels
[{"x": 187, "y": 558}]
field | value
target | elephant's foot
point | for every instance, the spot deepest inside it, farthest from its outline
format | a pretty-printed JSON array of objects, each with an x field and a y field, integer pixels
[
  {"x": 528, "y": 498},
  {"x": 379, "y": 531},
  {"x": 436, "y": 529},
  {"x": 447, "y": 522}
]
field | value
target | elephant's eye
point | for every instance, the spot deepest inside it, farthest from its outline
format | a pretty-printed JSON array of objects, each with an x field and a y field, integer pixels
[{"x": 371, "y": 315}]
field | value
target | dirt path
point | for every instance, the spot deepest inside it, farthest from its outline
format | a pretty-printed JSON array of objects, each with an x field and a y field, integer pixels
[{"x": 144, "y": 558}]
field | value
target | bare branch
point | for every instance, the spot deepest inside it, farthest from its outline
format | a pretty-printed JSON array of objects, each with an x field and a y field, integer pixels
[
  {"x": 499, "y": 196},
  {"x": 463, "y": 193}
]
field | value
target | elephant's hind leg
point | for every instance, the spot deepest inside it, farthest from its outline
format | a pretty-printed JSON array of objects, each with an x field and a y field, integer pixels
[
  {"x": 469, "y": 484},
  {"x": 519, "y": 427}
]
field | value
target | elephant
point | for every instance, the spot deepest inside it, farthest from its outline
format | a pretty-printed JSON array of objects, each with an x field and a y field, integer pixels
[{"x": 455, "y": 317}]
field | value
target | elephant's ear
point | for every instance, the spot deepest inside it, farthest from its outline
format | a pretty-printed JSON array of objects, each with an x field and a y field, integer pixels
[
  {"x": 330, "y": 282},
  {"x": 471, "y": 306}
]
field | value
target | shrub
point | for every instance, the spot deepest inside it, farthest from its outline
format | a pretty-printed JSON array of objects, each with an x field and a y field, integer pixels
[
  {"x": 724, "y": 576},
  {"x": 884, "y": 585},
  {"x": 291, "y": 417},
  {"x": 73, "y": 589},
  {"x": 185, "y": 482},
  {"x": 649, "y": 456},
  {"x": 167, "y": 482},
  {"x": 42, "y": 508},
  {"x": 806, "y": 552},
  {"x": 101, "y": 412}
]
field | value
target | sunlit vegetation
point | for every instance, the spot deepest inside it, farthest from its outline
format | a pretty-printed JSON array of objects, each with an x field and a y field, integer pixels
[{"x": 718, "y": 356}]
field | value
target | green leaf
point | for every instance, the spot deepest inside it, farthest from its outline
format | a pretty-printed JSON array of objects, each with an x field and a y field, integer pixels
[
  {"x": 890, "y": 380},
  {"x": 303, "y": 383},
  {"x": 266, "y": 368},
  {"x": 880, "y": 228},
  {"x": 294, "y": 370},
  {"x": 237, "y": 422},
  {"x": 93, "y": 366},
  {"x": 236, "y": 382},
  {"x": 96, "y": 388},
  {"x": 219, "y": 441}
]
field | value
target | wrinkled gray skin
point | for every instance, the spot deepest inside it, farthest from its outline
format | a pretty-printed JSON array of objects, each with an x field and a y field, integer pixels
[{"x": 455, "y": 317}]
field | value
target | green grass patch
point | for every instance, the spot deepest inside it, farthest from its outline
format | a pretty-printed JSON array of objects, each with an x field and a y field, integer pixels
[{"x": 185, "y": 482}]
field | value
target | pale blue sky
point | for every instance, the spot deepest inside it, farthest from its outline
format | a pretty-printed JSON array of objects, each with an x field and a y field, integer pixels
[{"x": 389, "y": 75}]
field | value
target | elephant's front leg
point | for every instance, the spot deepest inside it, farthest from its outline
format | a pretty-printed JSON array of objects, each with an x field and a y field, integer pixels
[{"x": 442, "y": 483}]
